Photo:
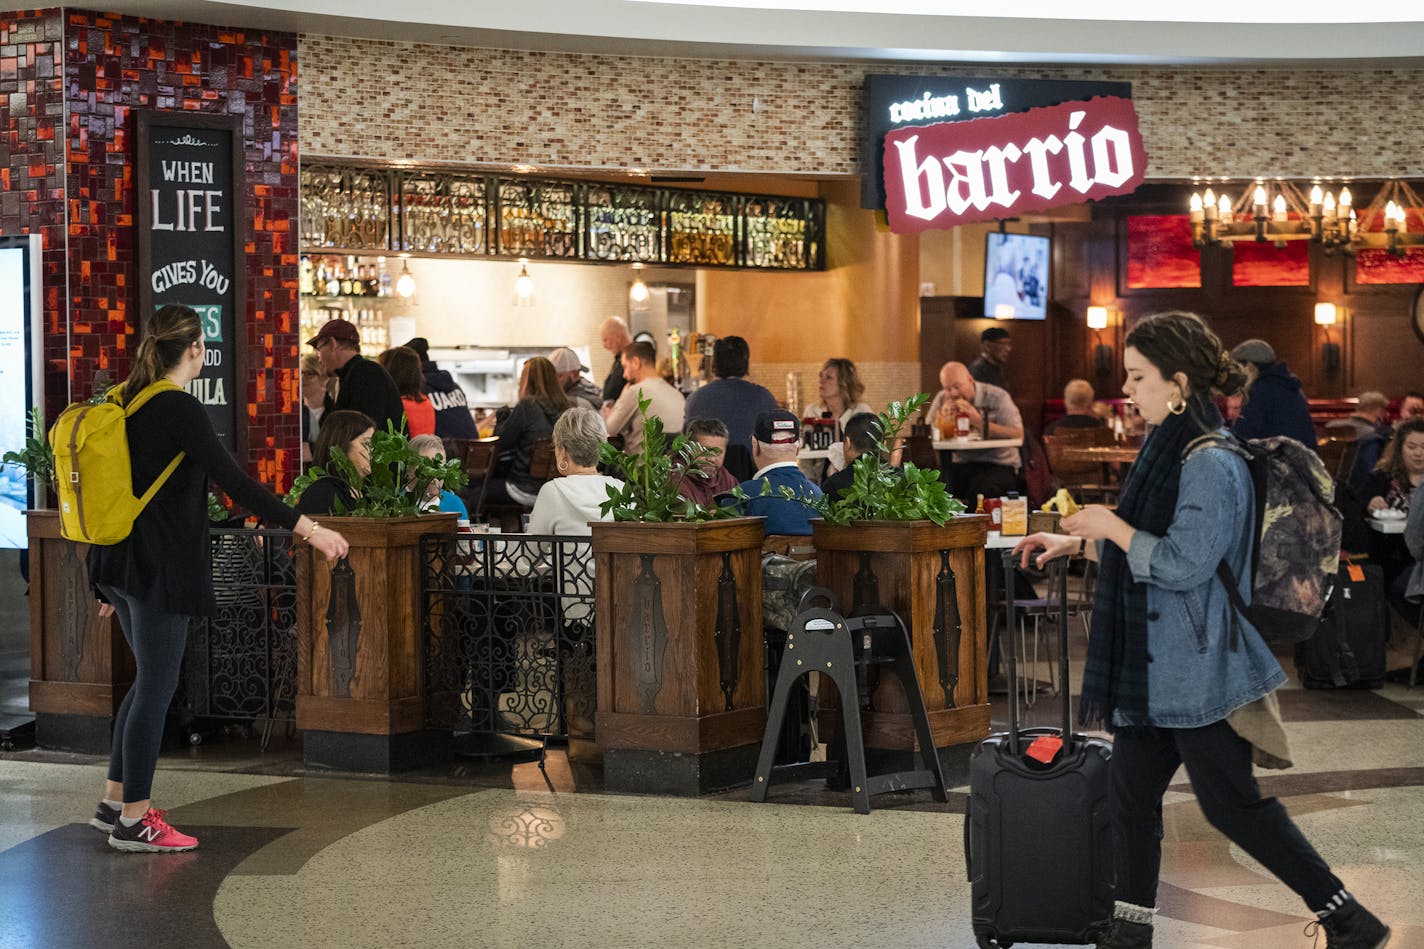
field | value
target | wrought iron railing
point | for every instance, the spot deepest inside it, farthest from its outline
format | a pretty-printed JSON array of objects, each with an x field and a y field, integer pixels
[
  {"x": 508, "y": 623},
  {"x": 366, "y": 209},
  {"x": 241, "y": 663}
]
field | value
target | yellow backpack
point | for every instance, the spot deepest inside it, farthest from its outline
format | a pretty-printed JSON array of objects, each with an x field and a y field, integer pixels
[{"x": 91, "y": 465}]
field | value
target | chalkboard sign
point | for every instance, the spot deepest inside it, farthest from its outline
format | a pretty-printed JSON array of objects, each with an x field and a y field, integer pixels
[{"x": 191, "y": 210}]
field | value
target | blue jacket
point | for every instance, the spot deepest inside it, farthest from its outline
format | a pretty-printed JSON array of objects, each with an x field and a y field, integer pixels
[
  {"x": 783, "y": 516},
  {"x": 1275, "y": 405},
  {"x": 1194, "y": 676}
]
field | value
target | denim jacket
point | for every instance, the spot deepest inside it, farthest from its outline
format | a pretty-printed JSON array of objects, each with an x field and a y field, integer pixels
[{"x": 1195, "y": 674}]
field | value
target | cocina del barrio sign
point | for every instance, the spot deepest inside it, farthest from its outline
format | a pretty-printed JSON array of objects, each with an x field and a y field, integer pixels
[{"x": 950, "y": 173}]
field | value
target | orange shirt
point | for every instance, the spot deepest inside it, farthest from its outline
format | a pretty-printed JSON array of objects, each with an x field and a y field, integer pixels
[{"x": 419, "y": 417}]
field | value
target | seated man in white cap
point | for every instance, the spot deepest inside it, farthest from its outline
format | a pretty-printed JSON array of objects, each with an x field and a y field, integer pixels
[
  {"x": 776, "y": 438},
  {"x": 571, "y": 371}
]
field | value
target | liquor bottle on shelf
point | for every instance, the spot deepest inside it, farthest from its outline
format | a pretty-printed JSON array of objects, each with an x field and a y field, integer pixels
[
  {"x": 373, "y": 283},
  {"x": 304, "y": 282},
  {"x": 333, "y": 280},
  {"x": 346, "y": 276},
  {"x": 383, "y": 279}
]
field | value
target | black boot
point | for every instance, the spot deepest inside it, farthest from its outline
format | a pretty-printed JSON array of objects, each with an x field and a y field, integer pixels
[
  {"x": 1353, "y": 927},
  {"x": 1125, "y": 934}
]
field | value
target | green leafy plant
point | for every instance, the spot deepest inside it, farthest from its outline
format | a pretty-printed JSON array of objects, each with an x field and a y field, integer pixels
[
  {"x": 35, "y": 457},
  {"x": 880, "y": 492},
  {"x": 398, "y": 480},
  {"x": 650, "y": 479}
]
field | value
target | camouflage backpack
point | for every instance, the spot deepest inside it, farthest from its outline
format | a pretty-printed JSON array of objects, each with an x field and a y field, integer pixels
[
  {"x": 783, "y": 581},
  {"x": 1297, "y": 549}
]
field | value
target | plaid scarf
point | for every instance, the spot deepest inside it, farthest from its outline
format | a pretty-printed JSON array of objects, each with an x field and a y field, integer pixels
[{"x": 1115, "y": 674}]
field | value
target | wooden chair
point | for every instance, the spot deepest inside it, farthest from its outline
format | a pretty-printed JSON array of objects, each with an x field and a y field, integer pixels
[
  {"x": 477, "y": 456},
  {"x": 1084, "y": 480},
  {"x": 542, "y": 465},
  {"x": 1338, "y": 453}
]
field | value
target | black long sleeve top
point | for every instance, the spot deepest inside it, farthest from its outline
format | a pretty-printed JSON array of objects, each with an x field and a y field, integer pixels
[
  {"x": 364, "y": 386},
  {"x": 165, "y": 561}
]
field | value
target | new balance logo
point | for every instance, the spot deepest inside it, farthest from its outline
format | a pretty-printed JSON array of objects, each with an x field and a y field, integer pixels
[{"x": 148, "y": 833}]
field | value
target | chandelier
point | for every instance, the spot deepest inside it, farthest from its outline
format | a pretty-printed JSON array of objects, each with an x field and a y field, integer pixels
[{"x": 1278, "y": 211}]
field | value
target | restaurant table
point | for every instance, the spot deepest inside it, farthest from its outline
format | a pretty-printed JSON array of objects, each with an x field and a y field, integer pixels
[
  {"x": 975, "y": 444},
  {"x": 1102, "y": 454}
]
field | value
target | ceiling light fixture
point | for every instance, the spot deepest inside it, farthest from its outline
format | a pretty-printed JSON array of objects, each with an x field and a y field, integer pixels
[
  {"x": 405, "y": 283},
  {"x": 523, "y": 285},
  {"x": 638, "y": 292}
]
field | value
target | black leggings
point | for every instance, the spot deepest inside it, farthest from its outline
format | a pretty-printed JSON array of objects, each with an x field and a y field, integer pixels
[
  {"x": 157, "y": 640},
  {"x": 1218, "y": 762}
]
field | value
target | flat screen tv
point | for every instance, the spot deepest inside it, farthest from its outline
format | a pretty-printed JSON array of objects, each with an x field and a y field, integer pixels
[{"x": 1015, "y": 276}]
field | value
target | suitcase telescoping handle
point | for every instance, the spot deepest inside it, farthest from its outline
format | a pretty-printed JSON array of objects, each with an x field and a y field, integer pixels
[{"x": 1057, "y": 577}]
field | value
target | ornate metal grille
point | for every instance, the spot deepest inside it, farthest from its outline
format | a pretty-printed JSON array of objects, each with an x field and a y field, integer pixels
[
  {"x": 509, "y": 634},
  {"x": 241, "y": 663},
  {"x": 623, "y": 223},
  {"x": 538, "y": 218},
  {"x": 702, "y": 228},
  {"x": 442, "y": 213},
  {"x": 344, "y": 207},
  {"x": 779, "y": 233}
]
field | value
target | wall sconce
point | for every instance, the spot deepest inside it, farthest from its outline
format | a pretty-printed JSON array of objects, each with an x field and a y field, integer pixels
[
  {"x": 1102, "y": 352},
  {"x": 638, "y": 292},
  {"x": 523, "y": 285},
  {"x": 1326, "y": 315},
  {"x": 405, "y": 283}
]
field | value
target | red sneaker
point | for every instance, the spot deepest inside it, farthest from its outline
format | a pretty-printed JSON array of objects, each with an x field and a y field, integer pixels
[{"x": 152, "y": 834}]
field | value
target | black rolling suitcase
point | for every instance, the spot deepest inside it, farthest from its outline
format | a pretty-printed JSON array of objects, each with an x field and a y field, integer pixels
[
  {"x": 1348, "y": 648},
  {"x": 1037, "y": 836}
]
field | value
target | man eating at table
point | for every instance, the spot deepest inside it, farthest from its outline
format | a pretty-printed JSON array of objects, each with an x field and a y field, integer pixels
[{"x": 992, "y": 472}]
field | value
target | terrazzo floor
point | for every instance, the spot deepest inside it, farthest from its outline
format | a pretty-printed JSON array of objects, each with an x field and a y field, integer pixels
[{"x": 505, "y": 855}]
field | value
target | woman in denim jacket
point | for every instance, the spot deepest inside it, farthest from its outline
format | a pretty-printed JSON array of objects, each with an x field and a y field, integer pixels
[{"x": 1172, "y": 670}]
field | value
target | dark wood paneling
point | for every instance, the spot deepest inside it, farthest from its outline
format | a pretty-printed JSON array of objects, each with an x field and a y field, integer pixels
[
  {"x": 386, "y": 693},
  {"x": 688, "y": 713},
  {"x": 79, "y": 661},
  {"x": 906, "y": 570},
  {"x": 1378, "y": 349}
]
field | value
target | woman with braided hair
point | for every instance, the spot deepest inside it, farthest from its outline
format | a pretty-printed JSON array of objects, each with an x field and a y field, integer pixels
[{"x": 1176, "y": 674}]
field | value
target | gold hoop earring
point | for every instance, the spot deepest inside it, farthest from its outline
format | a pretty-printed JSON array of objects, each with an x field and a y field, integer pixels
[
  {"x": 562, "y": 466},
  {"x": 1179, "y": 408}
]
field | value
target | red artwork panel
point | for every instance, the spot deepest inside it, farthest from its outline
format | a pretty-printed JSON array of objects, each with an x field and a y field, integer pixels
[
  {"x": 1266, "y": 265},
  {"x": 1374, "y": 266},
  {"x": 1380, "y": 266},
  {"x": 1160, "y": 254}
]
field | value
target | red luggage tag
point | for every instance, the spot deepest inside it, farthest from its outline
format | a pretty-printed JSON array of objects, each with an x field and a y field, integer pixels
[{"x": 1045, "y": 748}]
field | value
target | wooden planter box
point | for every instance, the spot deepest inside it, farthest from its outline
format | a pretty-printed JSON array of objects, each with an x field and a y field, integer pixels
[
  {"x": 905, "y": 559},
  {"x": 360, "y": 674},
  {"x": 681, "y": 710},
  {"x": 80, "y": 665}
]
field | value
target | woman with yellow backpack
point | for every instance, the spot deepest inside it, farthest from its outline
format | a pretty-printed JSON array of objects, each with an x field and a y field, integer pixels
[{"x": 157, "y": 576}]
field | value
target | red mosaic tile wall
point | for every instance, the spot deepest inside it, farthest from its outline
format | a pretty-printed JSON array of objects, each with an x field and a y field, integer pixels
[
  {"x": 32, "y": 147},
  {"x": 115, "y": 65}
]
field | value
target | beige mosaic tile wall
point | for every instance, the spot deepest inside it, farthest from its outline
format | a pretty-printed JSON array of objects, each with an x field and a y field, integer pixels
[{"x": 381, "y": 99}]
